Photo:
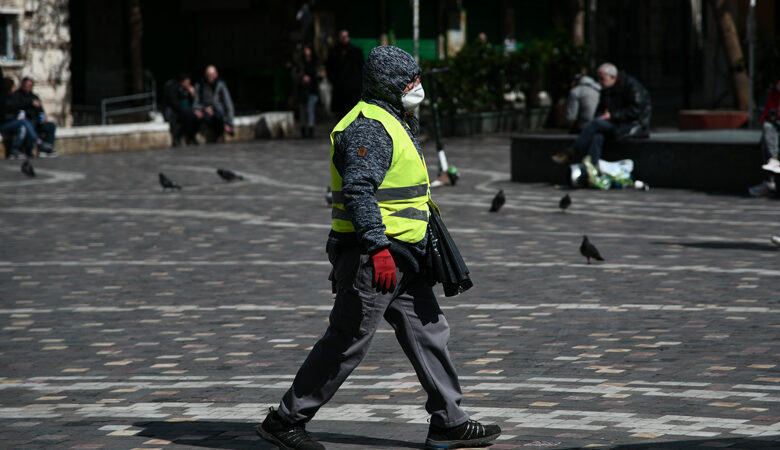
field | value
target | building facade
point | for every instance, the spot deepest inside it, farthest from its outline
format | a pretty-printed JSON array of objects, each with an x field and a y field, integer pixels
[{"x": 35, "y": 42}]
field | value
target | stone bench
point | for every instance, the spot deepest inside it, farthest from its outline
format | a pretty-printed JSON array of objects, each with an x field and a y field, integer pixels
[
  {"x": 145, "y": 135},
  {"x": 721, "y": 160}
]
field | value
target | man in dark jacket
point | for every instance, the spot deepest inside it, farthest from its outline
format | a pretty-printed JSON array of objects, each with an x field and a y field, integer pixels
[
  {"x": 378, "y": 262},
  {"x": 624, "y": 111},
  {"x": 24, "y": 100},
  {"x": 344, "y": 68},
  {"x": 213, "y": 103}
]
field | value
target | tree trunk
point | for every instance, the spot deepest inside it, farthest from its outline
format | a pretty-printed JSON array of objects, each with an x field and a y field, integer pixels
[
  {"x": 592, "y": 35},
  {"x": 731, "y": 44},
  {"x": 135, "y": 32},
  {"x": 578, "y": 23}
]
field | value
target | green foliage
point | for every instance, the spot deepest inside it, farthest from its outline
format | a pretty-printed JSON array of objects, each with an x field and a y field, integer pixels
[{"x": 479, "y": 74}]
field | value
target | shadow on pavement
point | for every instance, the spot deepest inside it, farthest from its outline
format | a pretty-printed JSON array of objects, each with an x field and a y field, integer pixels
[
  {"x": 232, "y": 435},
  {"x": 242, "y": 436},
  {"x": 763, "y": 443},
  {"x": 768, "y": 247}
]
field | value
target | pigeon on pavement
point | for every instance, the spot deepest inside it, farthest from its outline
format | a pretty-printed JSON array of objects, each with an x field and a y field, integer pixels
[
  {"x": 564, "y": 203},
  {"x": 498, "y": 201},
  {"x": 27, "y": 169},
  {"x": 589, "y": 250},
  {"x": 167, "y": 183}
]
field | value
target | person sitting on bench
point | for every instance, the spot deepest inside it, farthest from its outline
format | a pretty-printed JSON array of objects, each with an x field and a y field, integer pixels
[{"x": 624, "y": 111}]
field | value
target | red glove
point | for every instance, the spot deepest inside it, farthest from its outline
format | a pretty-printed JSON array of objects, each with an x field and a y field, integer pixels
[{"x": 384, "y": 270}]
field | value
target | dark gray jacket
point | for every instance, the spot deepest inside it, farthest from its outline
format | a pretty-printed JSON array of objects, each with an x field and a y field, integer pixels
[
  {"x": 215, "y": 95},
  {"x": 385, "y": 75}
]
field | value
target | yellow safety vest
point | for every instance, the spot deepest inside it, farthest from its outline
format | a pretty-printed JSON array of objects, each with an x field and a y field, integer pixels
[{"x": 404, "y": 195}]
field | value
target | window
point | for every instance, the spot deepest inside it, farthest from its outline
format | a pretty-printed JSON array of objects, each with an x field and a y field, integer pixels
[{"x": 7, "y": 36}]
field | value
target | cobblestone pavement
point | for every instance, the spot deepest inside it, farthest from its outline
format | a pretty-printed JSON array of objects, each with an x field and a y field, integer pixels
[{"x": 133, "y": 318}]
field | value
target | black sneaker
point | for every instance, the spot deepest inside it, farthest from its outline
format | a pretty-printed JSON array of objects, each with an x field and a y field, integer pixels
[
  {"x": 469, "y": 434},
  {"x": 286, "y": 437}
]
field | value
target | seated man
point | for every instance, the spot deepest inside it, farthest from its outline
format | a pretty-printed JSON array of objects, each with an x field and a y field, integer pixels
[
  {"x": 179, "y": 96},
  {"x": 623, "y": 111},
  {"x": 23, "y": 104},
  {"x": 770, "y": 123},
  {"x": 213, "y": 103}
]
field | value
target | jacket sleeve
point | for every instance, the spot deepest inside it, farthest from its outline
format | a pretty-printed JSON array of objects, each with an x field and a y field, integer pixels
[
  {"x": 224, "y": 93},
  {"x": 14, "y": 103},
  {"x": 362, "y": 175},
  {"x": 196, "y": 102},
  {"x": 602, "y": 104},
  {"x": 636, "y": 97},
  {"x": 573, "y": 105},
  {"x": 171, "y": 99},
  {"x": 39, "y": 109}
]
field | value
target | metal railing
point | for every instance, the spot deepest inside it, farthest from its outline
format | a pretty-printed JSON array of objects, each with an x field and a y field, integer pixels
[{"x": 106, "y": 103}]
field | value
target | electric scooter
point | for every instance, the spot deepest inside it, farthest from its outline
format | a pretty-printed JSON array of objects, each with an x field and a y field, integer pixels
[{"x": 448, "y": 174}]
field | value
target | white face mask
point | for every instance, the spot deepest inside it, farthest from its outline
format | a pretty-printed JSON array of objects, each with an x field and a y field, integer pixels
[{"x": 413, "y": 97}]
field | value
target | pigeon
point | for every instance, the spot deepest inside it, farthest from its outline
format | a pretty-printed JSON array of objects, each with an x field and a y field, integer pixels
[
  {"x": 498, "y": 201},
  {"x": 27, "y": 169},
  {"x": 167, "y": 183},
  {"x": 229, "y": 175},
  {"x": 329, "y": 196},
  {"x": 589, "y": 250},
  {"x": 564, "y": 203}
]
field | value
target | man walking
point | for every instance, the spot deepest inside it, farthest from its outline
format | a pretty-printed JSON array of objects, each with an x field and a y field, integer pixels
[{"x": 378, "y": 246}]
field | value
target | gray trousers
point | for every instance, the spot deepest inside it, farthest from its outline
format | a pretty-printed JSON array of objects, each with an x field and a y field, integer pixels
[
  {"x": 420, "y": 328},
  {"x": 769, "y": 140}
]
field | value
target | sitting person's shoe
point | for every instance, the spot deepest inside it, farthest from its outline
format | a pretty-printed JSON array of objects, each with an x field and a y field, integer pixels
[
  {"x": 773, "y": 165},
  {"x": 564, "y": 157},
  {"x": 469, "y": 434},
  {"x": 47, "y": 154},
  {"x": 17, "y": 155},
  {"x": 762, "y": 190},
  {"x": 285, "y": 436}
]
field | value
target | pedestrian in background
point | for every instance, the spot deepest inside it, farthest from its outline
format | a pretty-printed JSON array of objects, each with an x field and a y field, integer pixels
[
  {"x": 345, "y": 72},
  {"x": 309, "y": 78},
  {"x": 379, "y": 245}
]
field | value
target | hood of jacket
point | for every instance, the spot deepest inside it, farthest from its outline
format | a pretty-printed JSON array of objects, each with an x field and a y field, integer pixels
[
  {"x": 386, "y": 74},
  {"x": 589, "y": 82}
]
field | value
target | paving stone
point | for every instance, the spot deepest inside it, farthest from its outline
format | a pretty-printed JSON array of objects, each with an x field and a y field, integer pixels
[{"x": 135, "y": 318}]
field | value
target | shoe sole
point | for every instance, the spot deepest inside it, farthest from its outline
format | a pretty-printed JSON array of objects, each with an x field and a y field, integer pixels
[
  {"x": 773, "y": 169},
  {"x": 431, "y": 444},
  {"x": 270, "y": 438}
]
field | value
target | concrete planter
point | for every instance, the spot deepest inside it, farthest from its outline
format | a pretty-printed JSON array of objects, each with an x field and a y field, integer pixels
[{"x": 701, "y": 119}]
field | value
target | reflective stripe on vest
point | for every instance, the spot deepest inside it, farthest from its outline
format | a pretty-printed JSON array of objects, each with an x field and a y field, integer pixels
[{"x": 404, "y": 195}]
